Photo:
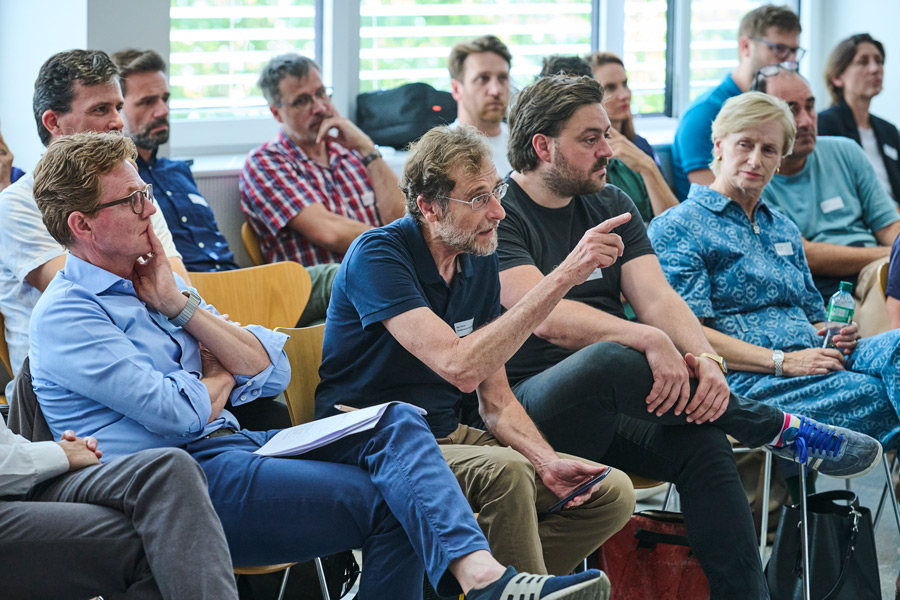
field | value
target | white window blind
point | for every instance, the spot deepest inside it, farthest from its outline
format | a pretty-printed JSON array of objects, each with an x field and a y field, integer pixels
[{"x": 218, "y": 48}]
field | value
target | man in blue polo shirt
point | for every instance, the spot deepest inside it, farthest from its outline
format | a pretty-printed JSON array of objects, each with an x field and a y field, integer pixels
[
  {"x": 146, "y": 117},
  {"x": 415, "y": 316},
  {"x": 767, "y": 35}
]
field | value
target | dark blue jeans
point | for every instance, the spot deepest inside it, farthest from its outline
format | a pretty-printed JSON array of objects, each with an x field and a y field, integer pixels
[
  {"x": 388, "y": 491},
  {"x": 592, "y": 404}
]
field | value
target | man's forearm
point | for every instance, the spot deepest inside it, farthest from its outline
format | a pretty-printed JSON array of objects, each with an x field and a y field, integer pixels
[
  {"x": 835, "y": 260},
  {"x": 672, "y": 315}
]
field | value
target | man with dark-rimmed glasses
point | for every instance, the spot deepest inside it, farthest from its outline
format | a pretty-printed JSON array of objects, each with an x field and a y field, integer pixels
[{"x": 767, "y": 35}]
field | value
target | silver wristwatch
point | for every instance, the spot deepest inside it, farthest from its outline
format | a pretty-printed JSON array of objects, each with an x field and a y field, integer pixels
[
  {"x": 189, "y": 309},
  {"x": 371, "y": 157},
  {"x": 778, "y": 359}
]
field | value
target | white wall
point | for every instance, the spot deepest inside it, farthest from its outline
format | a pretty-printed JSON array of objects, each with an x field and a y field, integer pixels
[
  {"x": 838, "y": 19},
  {"x": 31, "y": 31}
]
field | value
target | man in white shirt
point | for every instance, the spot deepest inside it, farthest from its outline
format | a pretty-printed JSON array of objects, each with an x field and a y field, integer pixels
[
  {"x": 142, "y": 526},
  {"x": 479, "y": 82},
  {"x": 75, "y": 91}
]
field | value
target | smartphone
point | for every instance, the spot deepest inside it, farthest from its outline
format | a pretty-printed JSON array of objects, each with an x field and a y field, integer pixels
[{"x": 581, "y": 489}]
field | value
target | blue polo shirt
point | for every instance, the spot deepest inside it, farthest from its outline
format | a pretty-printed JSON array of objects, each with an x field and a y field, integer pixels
[
  {"x": 190, "y": 219},
  {"x": 386, "y": 272},
  {"x": 692, "y": 148}
]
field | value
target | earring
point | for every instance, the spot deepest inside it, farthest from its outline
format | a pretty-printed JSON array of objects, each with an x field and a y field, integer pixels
[
  {"x": 778, "y": 169},
  {"x": 719, "y": 158}
]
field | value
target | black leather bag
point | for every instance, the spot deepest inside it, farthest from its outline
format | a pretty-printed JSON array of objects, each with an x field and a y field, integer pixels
[
  {"x": 842, "y": 555},
  {"x": 402, "y": 115}
]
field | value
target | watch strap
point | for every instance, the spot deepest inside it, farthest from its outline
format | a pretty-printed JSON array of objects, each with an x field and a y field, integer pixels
[
  {"x": 717, "y": 359},
  {"x": 189, "y": 309},
  {"x": 778, "y": 359},
  {"x": 371, "y": 157}
]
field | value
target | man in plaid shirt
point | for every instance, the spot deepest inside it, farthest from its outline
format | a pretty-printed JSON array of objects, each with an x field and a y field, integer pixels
[{"x": 321, "y": 182}]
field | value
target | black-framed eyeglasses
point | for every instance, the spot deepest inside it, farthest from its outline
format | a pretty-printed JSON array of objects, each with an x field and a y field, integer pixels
[
  {"x": 781, "y": 50},
  {"x": 323, "y": 94},
  {"x": 772, "y": 70},
  {"x": 137, "y": 199},
  {"x": 481, "y": 200}
]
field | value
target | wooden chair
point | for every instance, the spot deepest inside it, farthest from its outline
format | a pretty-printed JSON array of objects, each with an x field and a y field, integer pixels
[
  {"x": 304, "y": 351},
  {"x": 4, "y": 355},
  {"x": 271, "y": 295},
  {"x": 883, "y": 277},
  {"x": 251, "y": 244},
  {"x": 265, "y": 570}
]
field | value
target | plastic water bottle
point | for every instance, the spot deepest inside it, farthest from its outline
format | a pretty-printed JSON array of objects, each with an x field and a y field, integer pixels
[{"x": 840, "y": 311}]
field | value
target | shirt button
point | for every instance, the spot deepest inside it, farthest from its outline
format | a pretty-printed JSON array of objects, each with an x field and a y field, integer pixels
[
  {"x": 243, "y": 396},
  {"x": 184, "y": 219},
  {"x": 201, "y": 245},
  {"x": 218, "y": 267},
  {"x": 168, "y": 193},
  {"x": 254, "y": 393}
]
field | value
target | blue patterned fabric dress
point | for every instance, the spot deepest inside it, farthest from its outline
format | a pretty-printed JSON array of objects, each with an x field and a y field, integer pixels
[{"x": 751, "y": 281}]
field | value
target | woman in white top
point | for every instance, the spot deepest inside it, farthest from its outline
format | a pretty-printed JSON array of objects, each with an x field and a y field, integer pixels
[{"x": 854, "y": 75}]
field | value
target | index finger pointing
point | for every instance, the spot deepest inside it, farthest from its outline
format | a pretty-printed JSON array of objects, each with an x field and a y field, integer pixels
[{"x": 610, "y": 224}]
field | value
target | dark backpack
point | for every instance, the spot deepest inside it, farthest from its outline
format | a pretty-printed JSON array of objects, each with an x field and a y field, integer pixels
[{"x": 402, "y": 115}]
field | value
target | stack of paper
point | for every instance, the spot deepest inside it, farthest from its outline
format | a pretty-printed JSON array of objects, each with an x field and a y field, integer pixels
[{"x": 309, "y": 436}]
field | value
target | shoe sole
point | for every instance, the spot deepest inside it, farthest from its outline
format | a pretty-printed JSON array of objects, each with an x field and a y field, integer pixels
[
  {"x": 595, "y": 589},
  {"x": 858, "y": 473}
]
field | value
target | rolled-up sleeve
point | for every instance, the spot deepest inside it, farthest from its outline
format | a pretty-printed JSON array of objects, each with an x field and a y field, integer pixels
[{"x": 270, "y": 381}]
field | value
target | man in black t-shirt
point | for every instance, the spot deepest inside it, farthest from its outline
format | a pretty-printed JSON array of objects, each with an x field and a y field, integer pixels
[{"x": 629, "y": 394}]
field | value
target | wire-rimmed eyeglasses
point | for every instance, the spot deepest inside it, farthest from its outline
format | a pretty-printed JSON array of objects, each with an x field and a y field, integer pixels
[{"x": 481, "y": 200}]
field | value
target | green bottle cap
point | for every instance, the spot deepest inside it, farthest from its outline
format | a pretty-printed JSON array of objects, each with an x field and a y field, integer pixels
[{"x": 846, "y": 286}]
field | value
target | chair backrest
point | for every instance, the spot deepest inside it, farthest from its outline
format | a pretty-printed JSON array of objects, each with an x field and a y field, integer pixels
[
  {"x": 269, "y": 295},
  {"x": 4, "y": 348},
  {"x": 304, "y": 351},
  {"x": 251, "y": 244},
  {"x": 883, "y": 277}
]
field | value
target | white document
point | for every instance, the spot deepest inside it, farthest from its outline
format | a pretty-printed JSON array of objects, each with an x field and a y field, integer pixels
[{"x": 315, "y": 434}]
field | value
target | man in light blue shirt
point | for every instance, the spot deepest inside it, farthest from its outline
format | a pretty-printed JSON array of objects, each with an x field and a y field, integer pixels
[
  {"x": 767, "y": 35},
  {"x": 123, "y": 350},
  {"x": 829, "y": 189}
]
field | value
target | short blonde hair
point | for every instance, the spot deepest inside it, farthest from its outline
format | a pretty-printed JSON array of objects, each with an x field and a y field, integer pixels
[
  {"x": 751, "y": 108},
  {"x": 67, "y": 178}
]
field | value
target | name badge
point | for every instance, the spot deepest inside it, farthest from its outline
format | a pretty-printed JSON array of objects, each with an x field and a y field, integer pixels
[
  {"x": 368, "y": 198},
  {"x": 597, "y": 274},
  {"x": 464, "y": 328},
  {"x": 889, "y": 151},
  {"x": 784, "y": 249},
  {"x": 198, "y": 199},
  {"x": 832, "y": 204}
]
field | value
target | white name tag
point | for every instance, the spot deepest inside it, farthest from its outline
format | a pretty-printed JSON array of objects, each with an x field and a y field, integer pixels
[
  {"x": 597, "y": 274},
  {"x": 368, "y": 198},
  {"x": 832, "y": 204},
  {"x": 464, "y": 328},
  {"x": 198, "y": 199},
  {"x": 784, "y": 249},
  {"x": 889, "y": 151}
]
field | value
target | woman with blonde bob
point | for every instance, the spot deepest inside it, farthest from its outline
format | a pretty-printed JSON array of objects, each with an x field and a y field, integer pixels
[{"x": 740, "y": 266}]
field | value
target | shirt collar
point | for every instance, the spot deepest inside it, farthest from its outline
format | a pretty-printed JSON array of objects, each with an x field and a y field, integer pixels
[
  {"x": 424, "y": 262},
  {"x": 709, "y": 198},
  {"x": 91, "y": 277}
]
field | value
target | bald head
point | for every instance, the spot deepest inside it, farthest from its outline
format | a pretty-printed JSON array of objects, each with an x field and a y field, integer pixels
[{"x": 793, "y": 89}]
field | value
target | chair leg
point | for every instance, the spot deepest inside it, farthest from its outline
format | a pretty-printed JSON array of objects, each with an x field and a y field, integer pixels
[
  {"x": 888, "y": 492},
  {"x": 764, "y": 513},
  {"x": 322, "y": 583},
  {"x": 284, "y": 581},
  {"x": 804, "y": 538}
]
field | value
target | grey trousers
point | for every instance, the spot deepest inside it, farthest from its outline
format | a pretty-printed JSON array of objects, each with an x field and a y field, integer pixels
[{"x": 141, "y": 526}]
